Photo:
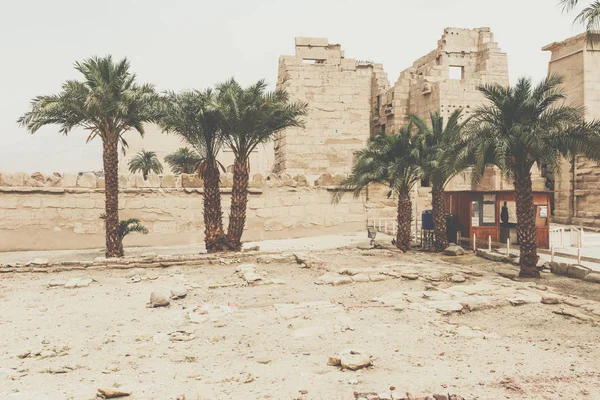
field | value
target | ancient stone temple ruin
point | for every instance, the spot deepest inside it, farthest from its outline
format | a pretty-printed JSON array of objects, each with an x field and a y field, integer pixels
[
  {"x": 351, "y": 100},
  {"x": 577, "y": 194}
]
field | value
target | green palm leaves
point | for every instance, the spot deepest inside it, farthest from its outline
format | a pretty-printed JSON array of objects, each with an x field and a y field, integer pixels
[{"x": 145, "y": 162}]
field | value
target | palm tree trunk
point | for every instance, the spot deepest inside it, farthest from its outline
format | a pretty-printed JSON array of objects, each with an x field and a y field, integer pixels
[
  {"x": 239, "y": 201},
  {"x": 403, "y": 235},
  {"x": 439, "y": 218},
  {"x": 110, "y": 157},
  {"x": 214, "y": 238},
  {"x": 526, "y": 226}
]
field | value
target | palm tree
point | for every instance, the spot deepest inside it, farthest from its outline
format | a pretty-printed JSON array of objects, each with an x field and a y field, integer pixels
[
  {"x": 127, "y": 226},
  {"x": 589, "y": 16},
  {"x": 437, "y": 149},
  {"x": 251, "y": 116},
  {"x": 193, "y": 115},
  {"x": 391, "y": 160},
  {"x": 146, "y": 162},
  {"x": 522, "y": 126},
  {"x": 183, "y": 161},
  {"x": 107, "y": 103}
]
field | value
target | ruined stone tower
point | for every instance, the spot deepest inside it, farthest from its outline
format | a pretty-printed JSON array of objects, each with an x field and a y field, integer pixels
[
  {"x": 338, "y": 91},
  {"x": 444, "y": 80}
]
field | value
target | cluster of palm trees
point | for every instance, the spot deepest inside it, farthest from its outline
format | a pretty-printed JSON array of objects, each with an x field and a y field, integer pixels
[
  {"x": 108, "y": 102},
  {"x": 517, "y": 128}
]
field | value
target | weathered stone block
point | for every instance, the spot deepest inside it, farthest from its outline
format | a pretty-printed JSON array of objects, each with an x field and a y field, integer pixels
[
  {"x": 123, "y": 182},
  {"x": 37, "y": 179},
  {"x": 69, "y": 180},
  {"x": 338, "y": 179},
  {"x": 301, "y": 180},
  {"x": 257, "y": 181},
  {"x": 54, "y": 180},
  {"x": 153, "y": 181},
  {"x": 168, "y": 181},
  {"x": 6, "y": 179},
  {"x": 286, "y": 179},
  {"x": 101, "y": 183},
  {"x": 140, "y": 182},
  {"x": 559, "y": 268},
  {"x": 593, "y": 277},
  {"x": 577, "y": 272},
  {"x": 20, "y": 179},
  {"x": 191, "y": 181},
  {"x": 273, "y": 180},
  {"x": 324, "y": 180},
  {"x": 226, "y": 180},
  {"x": 87, "y": 180}
]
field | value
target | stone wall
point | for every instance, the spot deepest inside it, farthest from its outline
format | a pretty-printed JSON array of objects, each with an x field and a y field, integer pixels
[
  {"x": 577, "y": 187},
  {"x": 63, "y": 212},
  {"x": 337, "y": 90}
]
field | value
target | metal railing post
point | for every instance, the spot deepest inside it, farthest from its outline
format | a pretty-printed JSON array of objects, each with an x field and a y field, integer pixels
[
  {"x": 490, "y": 243},
  {"x": 507, "y": 247},
  {"x": 474, "y": 242}
]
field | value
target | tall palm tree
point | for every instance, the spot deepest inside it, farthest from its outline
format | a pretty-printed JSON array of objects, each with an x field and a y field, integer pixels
[
  {"x": 391, "y": 160},
  {"x": 521, "y": 126},
  {"x": 183, "y": 161},
  {"x": 589, "y": 16},
  {"x": 437, "y": 149},
  {"x": 193, "y": 115},
  {"x": 251, "y": 116},
  {"x": 146, "y": 162},
  {"x": 107, "y": 103}
]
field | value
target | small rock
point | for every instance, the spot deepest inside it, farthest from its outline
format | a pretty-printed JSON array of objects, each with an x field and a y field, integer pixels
[
  {"x": 361, "y": 278},
  {"x": 178, "y": 292},
  {"x": 113, "y": 393},
  {"x": 56, "y": 283},
  {"x": 40, "y": 261},
  {"x": 158, "y": 300},
  {"x": 454, "y": 250},
  {"x": 355, "y": 361},
  {"x": 440, "y": 397},
  {"x": 365, "y": 246},
  {"x": 410, "y": 276},
  {"x": 84, "y": 282},
  {"x": 24, "y": 354},
  {"x": 303, "y": 391},
  {"x": 334, "y": 361},
  {"x": 457, "y": 278},
  {"x": 181, "y": 336},
  {"x": 253, "y": 248},
  {"x": 377, "y": 278},
  {"x": 550, "y": 300},
  {"x": 72, "y": 283}
]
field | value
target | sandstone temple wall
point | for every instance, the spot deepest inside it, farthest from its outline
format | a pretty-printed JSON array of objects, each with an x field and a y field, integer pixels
[
  {"x": 577, "y": 187},
  {"x": 63, "y": 211},
  {"x": 337, "y": 90}
]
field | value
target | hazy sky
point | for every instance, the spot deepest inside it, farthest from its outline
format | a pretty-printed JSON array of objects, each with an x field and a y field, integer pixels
[{"x": 180, "y": 44}]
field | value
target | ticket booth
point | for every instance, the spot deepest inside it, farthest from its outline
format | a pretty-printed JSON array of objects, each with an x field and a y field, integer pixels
[{"x": 494, "y": 214}]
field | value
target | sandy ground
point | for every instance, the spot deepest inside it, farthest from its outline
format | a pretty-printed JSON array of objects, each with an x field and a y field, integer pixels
[{"x": 433, "y": 334}]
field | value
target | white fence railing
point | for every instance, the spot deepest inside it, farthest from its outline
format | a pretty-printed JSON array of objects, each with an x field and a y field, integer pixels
[
  {"x": 567, "y": 237},
  {"x": 389, "y": 226}
]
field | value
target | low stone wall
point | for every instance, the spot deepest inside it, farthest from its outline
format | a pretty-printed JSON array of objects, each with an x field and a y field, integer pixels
[{"x": 63, "y": 211}]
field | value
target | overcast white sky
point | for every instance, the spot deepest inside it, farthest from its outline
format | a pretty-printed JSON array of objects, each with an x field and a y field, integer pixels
[{"x": 179, "y": 44}]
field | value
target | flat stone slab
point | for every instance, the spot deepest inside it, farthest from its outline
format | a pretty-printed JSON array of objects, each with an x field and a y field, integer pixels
[{"x": 445, "y": 306}]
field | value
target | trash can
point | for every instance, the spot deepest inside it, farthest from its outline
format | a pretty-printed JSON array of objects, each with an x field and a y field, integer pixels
[{"x": 427, "y": 220}]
